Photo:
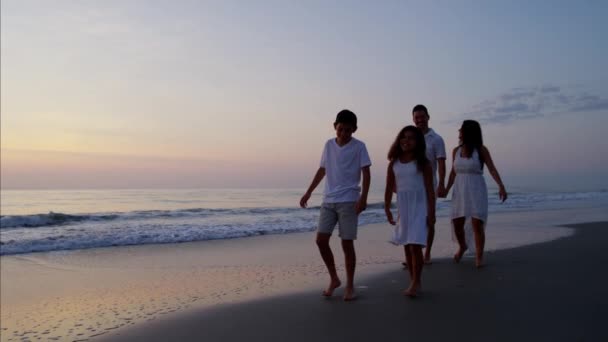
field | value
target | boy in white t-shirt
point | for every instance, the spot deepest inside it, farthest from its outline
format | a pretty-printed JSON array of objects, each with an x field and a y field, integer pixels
[{"x": 344, "y": 160}]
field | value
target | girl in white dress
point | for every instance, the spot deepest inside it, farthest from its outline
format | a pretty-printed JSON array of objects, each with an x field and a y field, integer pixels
[
  {"x": 470, "y": 195},
  {"x": 410, "y": 174}
]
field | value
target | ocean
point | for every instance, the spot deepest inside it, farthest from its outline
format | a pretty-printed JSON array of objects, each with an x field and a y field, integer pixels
[{"x": 60, "y": 220}]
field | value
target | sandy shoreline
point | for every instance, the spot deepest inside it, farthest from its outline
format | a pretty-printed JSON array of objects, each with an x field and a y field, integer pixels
[
  {"x": 524, "y": 294},
  {"x": 95, "y": 292}
]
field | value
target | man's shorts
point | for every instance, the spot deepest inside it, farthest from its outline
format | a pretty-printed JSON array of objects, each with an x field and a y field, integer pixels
[{"x": 344, "y": 214}]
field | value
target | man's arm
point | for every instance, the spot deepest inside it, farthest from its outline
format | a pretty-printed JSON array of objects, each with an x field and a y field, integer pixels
[
  {"x": 440, "y": 155},
  {"x": 441, "y": 172},
  {"x": 430, "y": 194},
  {"x": 452, "y": 175}
]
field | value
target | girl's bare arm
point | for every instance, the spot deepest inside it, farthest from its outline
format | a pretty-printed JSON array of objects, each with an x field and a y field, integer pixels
[{"x": 388, "y": 193}]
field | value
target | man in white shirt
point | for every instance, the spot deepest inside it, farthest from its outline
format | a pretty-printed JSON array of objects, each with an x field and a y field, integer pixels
[{"x": 435, "y": 152}]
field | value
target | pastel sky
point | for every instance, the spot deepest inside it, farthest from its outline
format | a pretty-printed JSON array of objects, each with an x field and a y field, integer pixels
[{"x": 172, "y": 94}]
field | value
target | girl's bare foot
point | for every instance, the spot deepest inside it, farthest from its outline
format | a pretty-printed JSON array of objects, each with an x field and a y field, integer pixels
[
  {"x": 411, "y": 291},
  {"x": 459, "y": 254},
  {"x": 479, "y": 263},
  {"x": 334, "y": 284},
  {"x": 427, "y": 259},
  {"x": 349, "y": 294}
]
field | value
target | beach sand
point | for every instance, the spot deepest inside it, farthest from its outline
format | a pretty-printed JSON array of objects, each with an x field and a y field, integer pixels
[
  {"x": 554, "y": 291},
  {"x": 268, "y": 287}
]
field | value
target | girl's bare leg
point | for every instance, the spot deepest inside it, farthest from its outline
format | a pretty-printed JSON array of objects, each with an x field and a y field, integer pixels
[
  {"x": 416, "y": 269},
  {"x": 408, "y": 259},
  {"x": 429, "y": 244},
  {"x": 459, "y": 232},
  {"x": 480, "y": 241}
]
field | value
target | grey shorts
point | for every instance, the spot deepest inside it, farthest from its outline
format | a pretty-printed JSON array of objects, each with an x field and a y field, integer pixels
[{"x": 344, "y": 214}]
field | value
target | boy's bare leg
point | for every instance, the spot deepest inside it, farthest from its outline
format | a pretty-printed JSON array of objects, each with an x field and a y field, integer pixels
[
  {"x": 416, "y": 267},
  {"x": 328, "y": 259},
  {"x": 480, "y": 241},
  {"x": 459, "y": 232},
  {"x": 429, "y": 244},
  {"x": 350, "y": 259}
]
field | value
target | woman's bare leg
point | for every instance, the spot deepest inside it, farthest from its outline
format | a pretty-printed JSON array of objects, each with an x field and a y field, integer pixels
[{"x": 480, "y": 241}]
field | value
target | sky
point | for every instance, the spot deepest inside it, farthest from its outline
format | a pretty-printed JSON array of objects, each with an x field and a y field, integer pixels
[{"x": 195, "y": 94}]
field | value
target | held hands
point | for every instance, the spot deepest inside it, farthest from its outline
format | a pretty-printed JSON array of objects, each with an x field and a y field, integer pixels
[
  {"x": 502, "y": 193},
  {"x": 441, "y": 191},
  {"x": 304, "y": 200}
]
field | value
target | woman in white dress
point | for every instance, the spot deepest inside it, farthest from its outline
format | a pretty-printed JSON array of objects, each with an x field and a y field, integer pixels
[
  {"x": 470, "y": 195},
  {"x": 410, "y": 174}
]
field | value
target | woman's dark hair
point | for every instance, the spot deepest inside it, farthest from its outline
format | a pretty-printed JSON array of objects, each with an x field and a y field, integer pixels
[
  {"x": 419, "y": 152},
  {"x": 472, "y": 138}
]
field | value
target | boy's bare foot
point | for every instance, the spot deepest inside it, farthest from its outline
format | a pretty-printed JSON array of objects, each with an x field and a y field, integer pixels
[
  {"x": 349, "y": 294},
  {"x": 334, "y": 284},
  {"x": 459, "y": 254}
]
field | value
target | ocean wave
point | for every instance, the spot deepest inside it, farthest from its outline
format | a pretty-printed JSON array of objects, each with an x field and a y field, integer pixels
[
  {"x": 55, "y": 219},
  {"x": 50, "y": 219},
  {"x": 110, "y": 234}
]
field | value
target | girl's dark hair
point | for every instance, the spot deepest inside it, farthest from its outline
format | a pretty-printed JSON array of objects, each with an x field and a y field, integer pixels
[
  {"x": 419, "y": 152},
  {"x": 472, "y": 138}
]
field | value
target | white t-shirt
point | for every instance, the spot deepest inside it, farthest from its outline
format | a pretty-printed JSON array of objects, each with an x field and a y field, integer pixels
[
  {"x": 343, "y": 170},
  {"x": 435, "y": 149}
]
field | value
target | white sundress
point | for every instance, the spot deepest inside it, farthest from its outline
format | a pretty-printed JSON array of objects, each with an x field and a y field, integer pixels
[
  {"x": 470, "y": 194},
  {"x": 411, "y": 205}
]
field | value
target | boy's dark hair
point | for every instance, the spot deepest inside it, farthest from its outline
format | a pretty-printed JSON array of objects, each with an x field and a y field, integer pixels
[
  {"x": 345, "y": 116},
  {"x": 420, "y": 108}
]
